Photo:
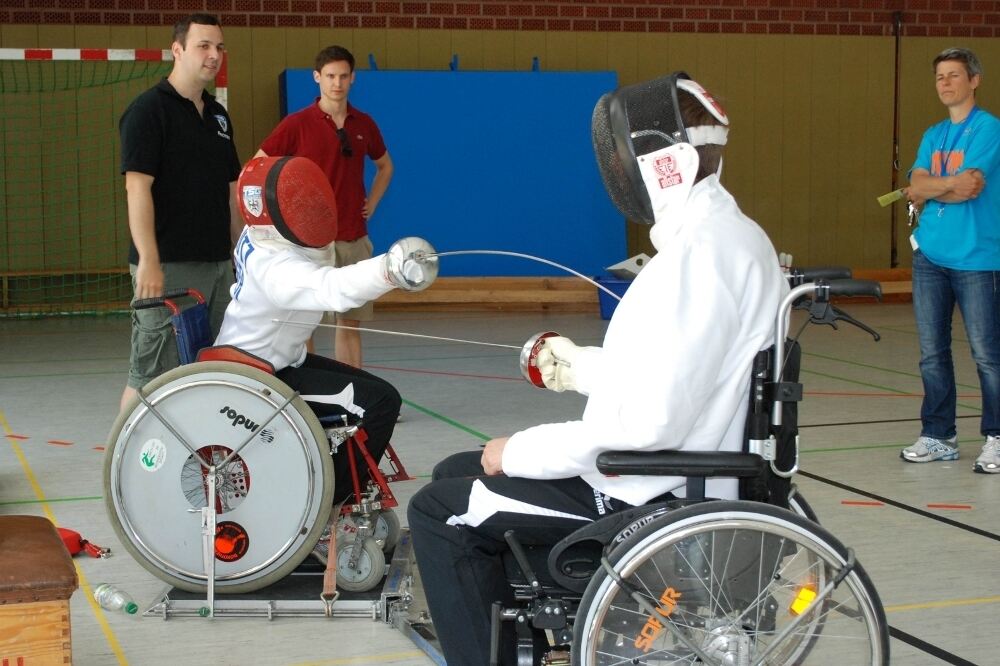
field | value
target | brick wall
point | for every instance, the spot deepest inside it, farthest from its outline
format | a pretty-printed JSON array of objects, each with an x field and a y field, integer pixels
[{"x": 921, "y": 18}]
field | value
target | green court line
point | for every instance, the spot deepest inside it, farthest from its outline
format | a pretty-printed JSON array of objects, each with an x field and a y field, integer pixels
[
  {"x": 445, "y": 419},
  {"x": 913, "y": 332},
  {"x": 898, "y": 329},
  {"x": 867, "y": 447},
  {"x": 51, "y": 499},
  {"x": 880, "y": 387},
  {"x": 855, "y": 381},
  {"x": 862, "y": 365},
  {"x": 915, "y": 375}
]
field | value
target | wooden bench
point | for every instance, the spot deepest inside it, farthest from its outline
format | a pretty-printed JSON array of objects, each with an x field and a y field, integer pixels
[
  {"x": 37, "y": 578},
  {"x": 506, "y": 294}
]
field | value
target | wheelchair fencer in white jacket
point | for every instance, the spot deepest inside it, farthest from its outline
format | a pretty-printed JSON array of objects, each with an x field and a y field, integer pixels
[
  {"x": 286, "y": 280},
  {"x": 673, "y": 371},
  {"x": 284, "y": 262}
]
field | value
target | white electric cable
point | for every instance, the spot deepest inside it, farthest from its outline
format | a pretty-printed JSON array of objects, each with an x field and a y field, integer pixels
[
  {"x": 400, "y": 333},
  {"x": 533, "y": 258}
]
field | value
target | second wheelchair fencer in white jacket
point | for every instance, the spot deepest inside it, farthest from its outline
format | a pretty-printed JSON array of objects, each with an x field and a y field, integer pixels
[
  {"x": 673, "y": 371},
  {"x": 674, "y": 368},
  {"x": 285, "y": 281}
]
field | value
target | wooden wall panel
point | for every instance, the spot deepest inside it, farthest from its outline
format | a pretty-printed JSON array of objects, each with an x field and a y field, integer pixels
[
  {"x": 13, "y": 36},
  {"x": 435, "y": 49},
  {"x": 560, "y": 53},
  {"x": 873, "y": 120},
  {"x": 527, "y": 46},
  {"x": 239, "y": 59},
  {"x": 591, "y": 51},
  {"x": 795, "y": 75},
  {"x": 301, "y": 47},
  {"x": 268, "y": 48},
  {"x": 402, "y": 51},
  {"x": 371, "y": 41},
  {"x": 498, "y": 50},
  {"x": 469, "y": 45}
]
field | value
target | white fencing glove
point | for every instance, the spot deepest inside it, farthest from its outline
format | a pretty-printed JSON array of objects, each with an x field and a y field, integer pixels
[
  {"x": 407, "y": 265},
  {"x": 555, "y": 363}
]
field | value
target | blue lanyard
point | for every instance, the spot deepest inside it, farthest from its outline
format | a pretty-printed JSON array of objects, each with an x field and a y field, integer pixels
[{"x": 945, "y": 155}]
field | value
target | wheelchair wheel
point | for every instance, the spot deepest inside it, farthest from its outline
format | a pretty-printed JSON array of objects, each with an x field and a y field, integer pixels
[
  {"x": 370, "y": 569},
  {"x": 386, "y": 532},
  {"x": 737, "y": 582},
  {"x": 273, "y": 497},
  {"x": 799, "y": 506}
]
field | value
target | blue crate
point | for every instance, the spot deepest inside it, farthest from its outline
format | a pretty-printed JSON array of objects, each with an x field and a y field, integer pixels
[{"x": 617, "y": 286}]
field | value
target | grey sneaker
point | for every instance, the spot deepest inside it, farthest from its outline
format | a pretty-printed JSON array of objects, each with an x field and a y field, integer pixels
[
  {"x": 929, "y": 449},
  {"x": 988, "y": 461}
]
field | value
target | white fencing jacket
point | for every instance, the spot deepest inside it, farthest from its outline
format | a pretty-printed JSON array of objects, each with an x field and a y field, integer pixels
[
  {"x": 276, "y": 280},
  {"x": 674, "y": 370}
]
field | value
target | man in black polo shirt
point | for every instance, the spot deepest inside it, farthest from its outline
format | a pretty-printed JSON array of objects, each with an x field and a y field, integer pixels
[{"x": 180, "y": 167}]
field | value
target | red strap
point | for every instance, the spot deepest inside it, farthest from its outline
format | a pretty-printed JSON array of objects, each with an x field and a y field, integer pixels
[
  {"x": 71, "y": 539},
  {"x": 94, "y": 550},
  {"x": 75, "y": 543}
]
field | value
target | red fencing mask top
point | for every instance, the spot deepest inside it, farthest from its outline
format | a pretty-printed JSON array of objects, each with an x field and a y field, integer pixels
[{"x": 291, "y": 193}]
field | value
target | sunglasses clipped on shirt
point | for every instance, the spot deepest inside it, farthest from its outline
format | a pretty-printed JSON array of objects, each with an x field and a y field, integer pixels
[{"x": 345, "y": 143}]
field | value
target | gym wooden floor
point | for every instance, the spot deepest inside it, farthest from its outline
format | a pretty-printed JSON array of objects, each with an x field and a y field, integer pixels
[{"x": 927, "y": 534}]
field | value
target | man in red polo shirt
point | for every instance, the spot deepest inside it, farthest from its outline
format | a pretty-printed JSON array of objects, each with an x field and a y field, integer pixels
[{"x": 337, "y": 136}]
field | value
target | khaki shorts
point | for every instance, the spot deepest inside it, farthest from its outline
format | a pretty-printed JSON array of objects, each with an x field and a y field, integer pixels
[
  {"x": 153, "y": 347},
  {"x": 347, "y": 253}
]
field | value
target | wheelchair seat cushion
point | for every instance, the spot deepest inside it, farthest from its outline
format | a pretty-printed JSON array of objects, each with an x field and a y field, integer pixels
[{"x": 235, "y": 355}]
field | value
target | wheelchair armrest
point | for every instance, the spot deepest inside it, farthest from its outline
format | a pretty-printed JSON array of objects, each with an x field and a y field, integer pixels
[{"x": 680, "y": 463}]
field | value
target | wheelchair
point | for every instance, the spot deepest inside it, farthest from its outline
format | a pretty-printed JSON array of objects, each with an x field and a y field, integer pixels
[
  {"x": 704, "y": 581},
  {"x": 225, "y": 433}
]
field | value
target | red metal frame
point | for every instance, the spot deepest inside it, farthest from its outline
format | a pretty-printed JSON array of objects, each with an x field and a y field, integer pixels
[{"x": 357, "y": 442}]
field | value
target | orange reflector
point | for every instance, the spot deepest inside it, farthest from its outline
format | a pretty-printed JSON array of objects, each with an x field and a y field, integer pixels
[{"x": 803, "y": 598}]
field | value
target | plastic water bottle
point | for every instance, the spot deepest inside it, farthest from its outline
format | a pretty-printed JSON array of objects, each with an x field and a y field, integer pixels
[{"x": 113, "y": 599}]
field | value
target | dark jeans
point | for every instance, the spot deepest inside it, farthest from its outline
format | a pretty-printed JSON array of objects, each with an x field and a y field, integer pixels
[
  {"x": 936, "y": 291},
  {"x": 333, "y": 388}
]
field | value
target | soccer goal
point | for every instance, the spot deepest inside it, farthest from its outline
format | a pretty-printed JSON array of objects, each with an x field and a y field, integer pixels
[{"x": 63, "y": 219}]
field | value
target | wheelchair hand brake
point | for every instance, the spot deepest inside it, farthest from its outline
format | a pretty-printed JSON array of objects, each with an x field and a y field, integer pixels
[{"x": 829, "y": 314}]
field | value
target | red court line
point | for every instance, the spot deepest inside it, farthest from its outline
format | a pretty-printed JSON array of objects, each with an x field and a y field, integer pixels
[
  {"x": 949, "y": 506},
  {"x": 861, "y": 503},
  {"x": 59, "y": 442},
  {"x": 446, "y": 374},
  {"x": 98, "y": 448},
  {"x": 17, "y": 437}
]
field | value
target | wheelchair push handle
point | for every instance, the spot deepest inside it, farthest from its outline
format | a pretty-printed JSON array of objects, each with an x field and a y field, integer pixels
[
  {"x": 871, "y": 288},
  {"x": 167, "y": 299},
  {"x": 797, "y": 276}
]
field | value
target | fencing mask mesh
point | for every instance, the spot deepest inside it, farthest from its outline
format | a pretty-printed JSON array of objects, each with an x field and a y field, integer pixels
[
  {"x": 291, "y": 193},
  {"x": 636, "y": 120}
]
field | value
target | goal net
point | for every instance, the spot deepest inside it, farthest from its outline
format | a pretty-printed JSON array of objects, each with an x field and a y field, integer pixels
[{"x": 63, "y": 220}]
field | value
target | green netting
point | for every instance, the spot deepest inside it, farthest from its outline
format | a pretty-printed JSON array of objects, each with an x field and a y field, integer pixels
[{"x": 63, "y": 220}]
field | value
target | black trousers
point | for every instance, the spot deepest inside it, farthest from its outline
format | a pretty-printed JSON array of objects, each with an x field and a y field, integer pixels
[
  {"x": 457, "y": 523},
  {"x": 332, "y": 388}
]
